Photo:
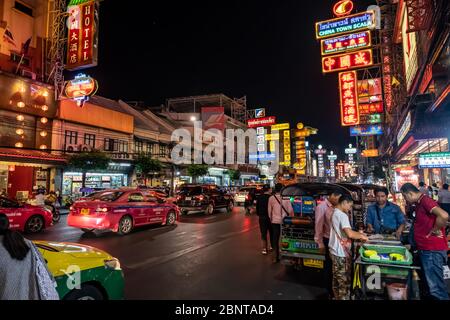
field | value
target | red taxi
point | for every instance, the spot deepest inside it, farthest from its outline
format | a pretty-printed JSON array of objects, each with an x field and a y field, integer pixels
[
  {"x": 25, "y": 217},
  {"x": 120, "y": 210}
]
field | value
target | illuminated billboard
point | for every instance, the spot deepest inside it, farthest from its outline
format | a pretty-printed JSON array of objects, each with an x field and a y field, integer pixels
[
  {"x": 367, "y": 130},
  {"x": 348, "y": 98},
  {"x": 261, "y": 122},
  {"x": 347, "y": 61},
  {"x": 345, "y": 43},
  {"x": 353, "y": 23}
]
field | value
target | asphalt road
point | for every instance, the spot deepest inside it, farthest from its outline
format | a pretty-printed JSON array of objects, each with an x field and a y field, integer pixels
[{"x": 202, "y": 257}]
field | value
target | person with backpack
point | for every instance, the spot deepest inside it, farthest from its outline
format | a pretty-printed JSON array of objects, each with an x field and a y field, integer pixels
[
  {"x": 278, "y": 209},
  {"x": 265, "y": 226},
  {"x": 385, "y": 217}
]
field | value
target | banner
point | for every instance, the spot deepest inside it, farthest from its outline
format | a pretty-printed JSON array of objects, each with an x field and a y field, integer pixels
[{"x": 213, "y": 118}]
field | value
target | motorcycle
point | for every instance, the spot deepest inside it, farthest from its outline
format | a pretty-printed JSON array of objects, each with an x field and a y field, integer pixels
[{"x": 55, "y": 211}]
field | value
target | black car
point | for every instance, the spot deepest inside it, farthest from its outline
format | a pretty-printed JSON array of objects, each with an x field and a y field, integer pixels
[{"x": 206, "y": 198}]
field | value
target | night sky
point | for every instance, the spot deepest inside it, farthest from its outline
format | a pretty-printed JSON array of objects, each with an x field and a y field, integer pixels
[{"x": 153, "y": 50}]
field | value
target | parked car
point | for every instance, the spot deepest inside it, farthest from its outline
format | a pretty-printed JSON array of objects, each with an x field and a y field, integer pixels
[
  {"x": 120, "y": 210},
  {"x": 206, "y": 198},
  {"x": 26, "y": 217},
  {"x": 100, "y": 275}
]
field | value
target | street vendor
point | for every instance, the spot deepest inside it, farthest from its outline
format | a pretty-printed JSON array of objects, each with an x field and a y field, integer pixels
[
  {"x": 385, "y": 217},
  {"x": 430, "y": 239}
]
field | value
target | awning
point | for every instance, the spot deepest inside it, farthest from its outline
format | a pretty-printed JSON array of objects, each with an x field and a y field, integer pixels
[
  {"x": 30, "y": 156},
  {"x": 421, "y": 130}
]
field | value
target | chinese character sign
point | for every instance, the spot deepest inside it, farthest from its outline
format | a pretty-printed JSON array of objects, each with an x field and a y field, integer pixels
[
  {"x": 345, "y": 43},
  {"x": 358, "y": 59},
  {"x": 348, "y": 98},
  {"x": 82, "y": 36}
]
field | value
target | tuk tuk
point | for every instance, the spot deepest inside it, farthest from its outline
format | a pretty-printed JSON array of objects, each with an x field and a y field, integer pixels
[{"x": 298, "y": 247}]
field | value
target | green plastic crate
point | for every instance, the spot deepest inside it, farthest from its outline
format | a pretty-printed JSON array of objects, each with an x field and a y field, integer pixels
[{"x": 381, "y": 249}]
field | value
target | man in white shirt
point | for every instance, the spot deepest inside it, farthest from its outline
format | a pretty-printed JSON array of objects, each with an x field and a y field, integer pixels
[
  {"x": 322, "y": 221},
  {"x": 341, "y": 234}
]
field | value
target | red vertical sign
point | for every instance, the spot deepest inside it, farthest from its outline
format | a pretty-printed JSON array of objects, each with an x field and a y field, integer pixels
[
  {"x": 82, "y": 36},
  {"x": 87, "y": 33},
  {"x": 348, "y": 98}
]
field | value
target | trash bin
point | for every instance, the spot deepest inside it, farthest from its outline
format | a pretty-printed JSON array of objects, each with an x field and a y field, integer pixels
[{"x": 397, "y": 291}]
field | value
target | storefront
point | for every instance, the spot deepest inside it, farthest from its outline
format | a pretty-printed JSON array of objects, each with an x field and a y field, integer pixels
[
  {"x": 422, "y": 135},
  {"x": 118, "y": 175},
  {"x": 72, "y": 181},
  {"x": 23, "y": 171}
]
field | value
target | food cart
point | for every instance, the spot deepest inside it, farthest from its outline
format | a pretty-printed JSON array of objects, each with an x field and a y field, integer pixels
[{"x": 298, "y": 247}]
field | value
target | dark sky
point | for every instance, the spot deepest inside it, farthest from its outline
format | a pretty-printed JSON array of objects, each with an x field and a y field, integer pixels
[{"x": 153, "y": 50}]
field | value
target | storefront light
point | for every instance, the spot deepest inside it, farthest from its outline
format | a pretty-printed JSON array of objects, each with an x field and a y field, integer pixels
[
  {"x": 45, "y": 93},
  {"x": 19, "y": 132},
  {"x": 43, "y": 133},
  {"x": 44, "y": 108},
  {"x": 20, "y": 117},
  {"x": 19, "y": 145},
  {"x": 43, "y": 147},
  {"x": 44, "y": 120},
  {"x": 21, "y": 104}
]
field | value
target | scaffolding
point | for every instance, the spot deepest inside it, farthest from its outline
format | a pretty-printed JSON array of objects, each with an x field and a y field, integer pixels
[
  {"x": 56, "y": 42},
  {"x": 236, "y": 108}
]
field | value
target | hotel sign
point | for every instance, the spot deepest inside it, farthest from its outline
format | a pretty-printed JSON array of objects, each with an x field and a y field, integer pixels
[{"x": 82, "y": 41}]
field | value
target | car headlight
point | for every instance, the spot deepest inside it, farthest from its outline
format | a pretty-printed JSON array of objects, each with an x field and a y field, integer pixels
[{"x": 113, "y": 264}]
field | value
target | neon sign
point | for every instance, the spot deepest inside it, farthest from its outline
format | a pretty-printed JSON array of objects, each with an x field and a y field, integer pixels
[
  {"x": 353, "y": 23},
  {"x": 83, "y": 36},
  {"x": 81, "y": 88},
  {"x": 371, "y": 108},
  {"x": 261, "y": 122},
  {"x": 369, "y": 130},
  {"x": 343, "y": 8},
  {"x": 346, "y": 42},
  {"x": 348, "y": 98},
  {"x": 358, "y": 59}
]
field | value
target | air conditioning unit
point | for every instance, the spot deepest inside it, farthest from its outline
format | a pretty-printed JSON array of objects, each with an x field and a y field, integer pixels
[
  {"x": 71, "y": 147},
  {"x": 28, "y": 74},
  {"x": 84, "y": 148}
]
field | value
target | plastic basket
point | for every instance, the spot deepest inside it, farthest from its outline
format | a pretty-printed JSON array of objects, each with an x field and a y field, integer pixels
[{"x": 383, "y": 249}]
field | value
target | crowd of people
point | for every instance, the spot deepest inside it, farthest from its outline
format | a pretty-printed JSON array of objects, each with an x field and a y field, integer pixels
[{"x": 334, "y": 233}]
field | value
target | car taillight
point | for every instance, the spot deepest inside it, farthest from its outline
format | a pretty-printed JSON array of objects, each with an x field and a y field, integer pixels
[
  {"x": 101, "y": 210},
  {"x": 200, "y": 198},
  {"x": 71, "y": 208},
  {"x": 178, "y": 198},
  {"x": 247, "y": 197}
]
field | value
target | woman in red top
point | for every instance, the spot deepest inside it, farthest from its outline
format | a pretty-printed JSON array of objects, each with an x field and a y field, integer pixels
[{"x": 430, "y": 239}]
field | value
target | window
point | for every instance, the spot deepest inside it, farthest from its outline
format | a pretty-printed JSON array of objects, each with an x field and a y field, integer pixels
[
  {"x": 138, "y": 146},
  {"x": 109, "y": 144},
  {"x": 162, "y": 150},
  {"x": 149, "y": 148},
  {"x": 26, "y": 62},
  {"x": 89, "y": 139},
  {"x": 23, "y": 8},
  {"x": 135, "y": 197},
  {"x": 71, "y": 137},
  {"x": 122, "y": 146}
]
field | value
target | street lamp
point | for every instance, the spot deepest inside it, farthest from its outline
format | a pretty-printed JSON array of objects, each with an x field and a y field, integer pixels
[{"x": 193, "y": 118}]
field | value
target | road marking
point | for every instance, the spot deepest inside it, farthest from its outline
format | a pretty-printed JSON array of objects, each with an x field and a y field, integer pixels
[{"x": 150, "y": 262}]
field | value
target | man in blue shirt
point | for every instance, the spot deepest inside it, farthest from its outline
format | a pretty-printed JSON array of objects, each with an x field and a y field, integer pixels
[{"x": 385, "y": 217}]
